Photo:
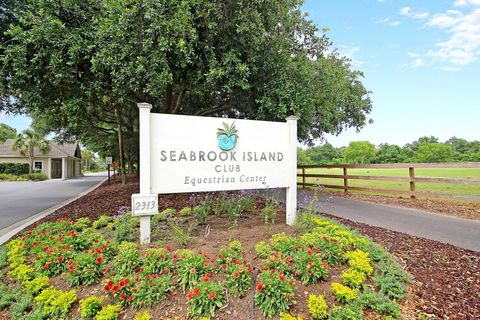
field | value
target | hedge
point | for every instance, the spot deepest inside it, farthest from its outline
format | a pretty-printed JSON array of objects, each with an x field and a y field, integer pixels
[{"x": 14, "y": 168}]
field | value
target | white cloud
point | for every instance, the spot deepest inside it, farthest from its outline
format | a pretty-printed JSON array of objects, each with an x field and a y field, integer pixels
[
  {"x": 417, "y": 63},
  {"x": 406, "y": 11},
  {"x": 450, "y": 69},
  {"x": 420, "y": 15},
  {"x": 389, "y": 22},
  {"x": 3, "y": 116},
  {"x": 461, "y": 46}
]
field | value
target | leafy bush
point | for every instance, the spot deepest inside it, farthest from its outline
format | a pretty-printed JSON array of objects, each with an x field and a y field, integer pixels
[
  {"x": 86, "y": 268},
  {"x": 36, "y": 285},
  {"x": 353, "y": 278},
  {"x": 201, "y": 213},
  {"x": 128, "y": 258},
  {"x": 309, "y": 266},
  {"x": 205, "y": 298},
  {"x": 288, "y": 316},
  {"x": 11, "y": 177},
  {"x": 343, "y": 293},
  {"x": 185, "y": 212},
  {"x": 109, "y": 312},
  {"x": 90, "y": 306},
  {"x": 21, "y": 272},
  {"x": 317, "y": 306},
  {"x": 150, "y": 289},
  {"x": 56, "y": 303},
  {"x": 275, "y": 293},
  {"x": 7, "y": 296},
  {"x": 390, "y": 286},
  {"x": 37, "y": 176},
  {"x": 235, "y": 245},
  {"x": 191, "y": 268},
  {"x": 3, "y": 256},
  {"x": 284, "y": 243},
  {"x": 143, "y": 316},
  {"x": 157, "y": 260},
  {"x": 263, "y": 250},
  {"x": 269, "y": 212},
  {"x": 16, "y": 169},
  {"x": 360, "y": 261},
  {"x": 21, "y": 307},
  {"x": 121, "y": 289},
  {"x": 102, "y": 222},
  {"x": 239, "y": 277},
  {"x": 81, "y": 224},
  {"x": 348, "y": 312},
  {"x": 380, "y": 303}
]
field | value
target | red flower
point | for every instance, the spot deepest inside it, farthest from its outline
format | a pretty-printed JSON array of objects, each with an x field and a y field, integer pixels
[
  {"x": 193, "y": 270},
  {"x": 282, "y": 277},
  {"x": 272, "y": 271},
  {"x": 193, "y": 293},
  {"x": 205, "y": 279},
  {"x": 236, "y": 261},
  {"x": 115, "y": 288},
  {"x": 224, "y": 266},
  {"x": 169, "y": 248},
  {"x": 130, "y": 299},
  {"x": 123, "y": 296},
  {"x": 60, "y": 259},
  {"x": 164, "y": 272},
  {"x": 287, "y": 296},
  {"x": 236, "y": 274},
  {"x": 162, "y": 256},
  {"x": 45, "y": 267},
  {"x": 260, "y": 287},
  {"x": 212, "y": 295},
  {"x": 121, "y": 284},
  {"x": 205, "y": 264},
  {"x": 107, "y": 288},
  {"x": 99, "y": 260},
  {"x": 155, "y": 276},
  {"x": 220, "y": 256}
]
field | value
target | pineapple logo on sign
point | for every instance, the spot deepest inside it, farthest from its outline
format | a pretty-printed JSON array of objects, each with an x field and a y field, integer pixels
[{"x": 227, "y": 137}]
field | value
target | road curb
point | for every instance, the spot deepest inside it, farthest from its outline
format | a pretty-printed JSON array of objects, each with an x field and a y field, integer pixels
[{"x": 8, "y": 232}]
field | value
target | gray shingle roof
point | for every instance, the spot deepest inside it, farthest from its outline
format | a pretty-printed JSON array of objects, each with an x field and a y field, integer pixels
[{"x": 56, "y": 150}]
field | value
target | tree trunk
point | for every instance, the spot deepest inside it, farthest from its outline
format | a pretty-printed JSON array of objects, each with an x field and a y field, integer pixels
[
  {"x": 30, "y": 156},
  {"x": 121, "y": 167}
]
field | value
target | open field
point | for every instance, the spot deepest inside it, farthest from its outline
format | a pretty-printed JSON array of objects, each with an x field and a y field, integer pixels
[{"x": 443, "y": 188}]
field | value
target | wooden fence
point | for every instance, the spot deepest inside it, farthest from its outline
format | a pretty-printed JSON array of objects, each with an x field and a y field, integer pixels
[{"x": 411, "y": 178}]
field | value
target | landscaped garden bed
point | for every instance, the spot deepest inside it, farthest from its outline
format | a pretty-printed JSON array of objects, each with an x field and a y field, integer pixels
[
  {"x": 444, "y": 278},
  {"x": 224, "y": 256}
]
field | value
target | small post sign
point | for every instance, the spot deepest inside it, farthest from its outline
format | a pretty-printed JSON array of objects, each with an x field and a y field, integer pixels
[
  {"x": 194, "y": 154},
  {"x": 108, "y": 160}
]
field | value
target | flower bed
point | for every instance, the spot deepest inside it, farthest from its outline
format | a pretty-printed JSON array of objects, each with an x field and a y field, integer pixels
[{"x": 92, "y": 269}]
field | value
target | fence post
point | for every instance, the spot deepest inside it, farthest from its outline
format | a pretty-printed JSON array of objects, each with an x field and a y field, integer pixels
[
  {"x": 411, "y": 173},
  {"x": 345, "y": 180},
  {"x": 303, "y": 178}
]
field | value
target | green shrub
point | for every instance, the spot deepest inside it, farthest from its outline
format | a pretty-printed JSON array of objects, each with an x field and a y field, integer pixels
[
  {"x": 390, "y": 286},
  {"x": 353, "y": 278},
  {"x": 288, "y": 316},
  {"x": 101, "y": 222},
  {"x": 206, "y": 297},
  {"x": 3, "y": 256},
  {"x": 21, "y": 307},
  {"x": 275, "y": 293},
  {"x": 109, "y": 312},
  {"x": 7, "y": 296},
  {"x": 201, "y": 213},
  {"x": 86, "y": 269},
  {"x": 37, "y": 176},
  {"x": 16, "y": 169},
  {"x": 81, "y": 224},
  {"x": 191, "y": 268},
  {"x": 143, "y": 316},
  {"x": 127, "y": 259},
  {"x": 269, "y": 212},
  {"x": 317, "y": 307},
  {"x": 157, "y": 260},
  {"x": 90, "y": 306},
  {"x": 36, "y": 285},
  {"x": 309, "y": 266},
  {"x": 11, "y": 177},
  {"x": 263, "y": 250},
  {"x": 186, "y": 211},
  {"x": 343, "y": 293},
  {"x": 235, "y": 245},
  {"x": 360, "y": 261},
  {"x": 348, "y": 312},
  {"x": 21, "y": 272},
  {"x": 56, "y": 303},
  {"x": 380, "y": 303}
]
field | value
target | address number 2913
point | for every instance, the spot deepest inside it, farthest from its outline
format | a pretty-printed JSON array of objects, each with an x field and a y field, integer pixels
[{"x": 144, "y": 204}]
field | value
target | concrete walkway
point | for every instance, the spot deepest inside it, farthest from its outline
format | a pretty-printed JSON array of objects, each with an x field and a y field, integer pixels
[
  {"x": 464, "y": 233},
  {"x": 23, "y": 201}
]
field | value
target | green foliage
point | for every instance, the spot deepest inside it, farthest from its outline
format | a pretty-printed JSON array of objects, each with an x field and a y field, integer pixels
[
  {"x": 3, "y": 256},
  {"x": 263, "y": 250},
  {"x": 360, "y": 152},
  {"x": 435, "y": 152},
  {"x": 90, "y": 306},
  {"x": 109, "y": 312},
  {"x": 380, "y": 303},
  {"x": 36, "y": 176},
  {"x": 81, "y": 224},
  {"x": 36, "y": 285},
  {"x": 143, "y": 316},
  {"x": 303, "y": 157},
  {"x": 274, "y": 293},
  {"x": 16, "y": 169},
  {"x": 235, "y": 245},
  {"x": 201, "y": 213},
  {"x": 182, "y": 236},
  {"x": 101, "y": 222},
  {"x": 287, "y": 316},
  {"x": 21, "y": 272},
  {"x": 127, "y": 259},
  {"x": 360, "y": 261},
  {"x": 56, "y": 303},
  {"x": 238, "y": 276},
  {"x": 309, "y": 266},
  {"x": 317, "y": 306},
  {"x": 324, "y": 154},
  {"x": 86, "y": 269},
  {"x": 191, "y": 268},
  {"x": 150, "y": 289},
  {"x": 269, "y": 212},
  {"x": 185, "y": 212},
  {"x": 348, "y": 312},
  {"x": 8, "y": 296},
  {"x": 28, "y": 142},
  {"x": 157, "y": 260},
  {"x": 353, "y": 277},
  {"x": 343, "y": 293},
  {"x": 390, "y": 286},
  {"x": 7, "y": 132},
  {"x": 20, "y": 309},
  {"x": 206, "y": 297}
]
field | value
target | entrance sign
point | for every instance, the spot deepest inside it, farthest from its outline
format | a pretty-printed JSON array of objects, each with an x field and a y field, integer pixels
[
  {"x": 108, "y": 160},
  {"x": 194, "y": 154}
]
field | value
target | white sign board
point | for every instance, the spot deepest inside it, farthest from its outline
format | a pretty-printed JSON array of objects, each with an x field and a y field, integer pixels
[
  {"x": 144, "y": 204},
  {"x": 191, "y": 154},
  {"x": 108, "y": 160}
]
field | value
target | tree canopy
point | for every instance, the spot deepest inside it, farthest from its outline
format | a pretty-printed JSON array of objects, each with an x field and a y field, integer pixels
[
  {"x": 6, "y": 132},
  {"x": 80, "y": 66}
]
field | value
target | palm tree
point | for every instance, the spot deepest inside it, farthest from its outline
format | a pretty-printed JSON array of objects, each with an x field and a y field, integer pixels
[{"x": 27, "y": 141}]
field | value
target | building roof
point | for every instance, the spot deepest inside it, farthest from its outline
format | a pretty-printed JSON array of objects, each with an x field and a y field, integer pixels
[{"x": 56, "y": 150}]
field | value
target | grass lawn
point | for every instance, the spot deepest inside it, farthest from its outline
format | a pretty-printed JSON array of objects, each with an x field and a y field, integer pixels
[{"x": 445, "y": 188}]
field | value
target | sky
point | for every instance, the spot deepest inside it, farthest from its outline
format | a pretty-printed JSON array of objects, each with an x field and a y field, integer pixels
[{"x": 421, "y": 60}]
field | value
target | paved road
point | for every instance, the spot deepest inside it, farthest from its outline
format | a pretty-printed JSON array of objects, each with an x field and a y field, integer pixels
[
  {"x": 460, "y": 232},
  {"x": 22, "y": 199}
]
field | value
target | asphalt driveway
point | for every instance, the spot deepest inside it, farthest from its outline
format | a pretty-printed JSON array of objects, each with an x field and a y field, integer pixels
[{"x": 22, "y": 199}]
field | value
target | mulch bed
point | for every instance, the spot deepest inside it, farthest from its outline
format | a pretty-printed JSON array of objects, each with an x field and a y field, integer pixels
[
  {"x": 446, "y": 279},
  {"x": 463, "y": 209}
]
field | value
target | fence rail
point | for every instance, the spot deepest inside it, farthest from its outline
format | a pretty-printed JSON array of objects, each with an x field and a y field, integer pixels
[{"x": 411, "y": 178}]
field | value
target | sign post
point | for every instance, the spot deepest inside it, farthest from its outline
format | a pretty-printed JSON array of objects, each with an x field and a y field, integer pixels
[
  {"x": 195, "y": 154},
  {"x": 108, "y": 160}
]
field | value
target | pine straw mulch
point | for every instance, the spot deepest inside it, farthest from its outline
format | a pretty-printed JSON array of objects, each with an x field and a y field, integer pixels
[
  {"x": 446, "y": 279},
  {"x": 463, "y": 209}
]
